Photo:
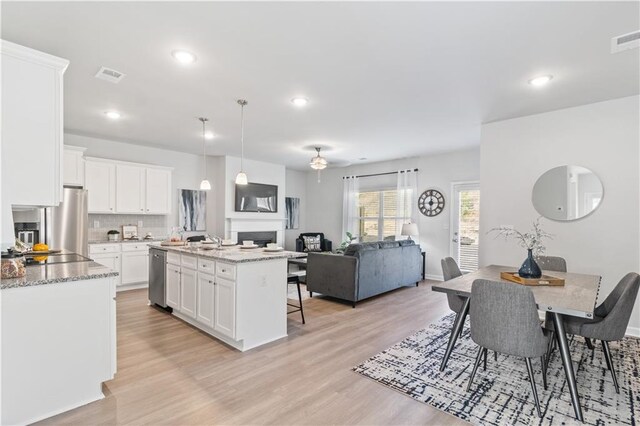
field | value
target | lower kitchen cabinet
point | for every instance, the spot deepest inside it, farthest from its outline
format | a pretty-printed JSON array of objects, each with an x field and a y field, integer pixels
[
  {"x": 111, "y": 261},
  {"x": 135, "y": 267},
  {"x": 173, "y": 286},
  {"x": 225, "y": 307},
  {"x": 205, "y": 300},
  {"x": 188, "y": 294}
]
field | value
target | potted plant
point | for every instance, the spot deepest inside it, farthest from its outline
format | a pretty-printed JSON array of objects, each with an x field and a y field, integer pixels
[
  {"x": 113, "y": 235},
  {"x": 343, "y": 246},
  {"x": 532, "y": 241}
]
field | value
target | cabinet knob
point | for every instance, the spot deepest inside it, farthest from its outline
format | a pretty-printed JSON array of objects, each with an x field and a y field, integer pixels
[
  {"x": 210, "y": 282},
  {"x": 141, "y": 210}
]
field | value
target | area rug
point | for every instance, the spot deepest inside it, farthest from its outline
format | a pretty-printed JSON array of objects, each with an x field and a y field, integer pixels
[{"x": 501, "y": 395}]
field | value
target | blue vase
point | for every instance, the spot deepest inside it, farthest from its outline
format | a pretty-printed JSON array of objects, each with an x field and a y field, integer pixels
[{"x": 530, "y": 268}]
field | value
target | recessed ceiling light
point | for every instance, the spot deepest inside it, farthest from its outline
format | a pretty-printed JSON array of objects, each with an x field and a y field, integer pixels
[
  {"x": 114, "y": 115},
  {"x": 299, "y": 101},
  {"x": 540, "y": 81},
  {"x": 183, "y": 56},
  {"x": 208, "y": 135}
]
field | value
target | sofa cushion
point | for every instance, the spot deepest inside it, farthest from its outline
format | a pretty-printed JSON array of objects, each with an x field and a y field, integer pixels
[
  {"x": 388, "y": 244},
  {"x": 353, "y": 249},
  {"x": 312, "y": 244}
]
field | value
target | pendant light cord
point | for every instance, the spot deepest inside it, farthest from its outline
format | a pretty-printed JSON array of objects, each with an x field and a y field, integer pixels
[
  {"x": 204, "y": 147},
  {"x": 242, "y": 137}
]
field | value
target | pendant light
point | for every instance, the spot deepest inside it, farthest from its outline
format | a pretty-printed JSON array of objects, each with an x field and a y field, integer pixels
[
  {"x": 204, "y": 185},
  {"x": 318, "y": 162},
  {"x": 241, "y": 177}
]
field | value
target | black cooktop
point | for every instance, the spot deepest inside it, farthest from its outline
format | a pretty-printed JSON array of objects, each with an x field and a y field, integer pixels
[{"x": 34, "y": 259}]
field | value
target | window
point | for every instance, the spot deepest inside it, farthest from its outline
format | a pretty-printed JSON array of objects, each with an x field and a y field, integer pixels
[{"x": 378, "y": 216}]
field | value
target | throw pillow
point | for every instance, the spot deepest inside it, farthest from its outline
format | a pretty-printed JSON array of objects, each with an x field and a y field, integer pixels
[{"x": 312, "y": 243}]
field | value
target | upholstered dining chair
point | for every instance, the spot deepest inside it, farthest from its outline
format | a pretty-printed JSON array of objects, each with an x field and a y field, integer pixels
[
  {"x": 610, "y": 320},
  {"x": 504, "y": 318},
  {"x": 450, "y": 270},
  {"x": 552, "y": 263}
]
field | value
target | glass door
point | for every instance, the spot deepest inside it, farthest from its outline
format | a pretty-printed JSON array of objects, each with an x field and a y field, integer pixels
[{"x": 465, "y": 224}]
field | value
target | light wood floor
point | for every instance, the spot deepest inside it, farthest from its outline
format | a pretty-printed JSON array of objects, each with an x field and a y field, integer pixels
[{"x": 171, "y": 373}]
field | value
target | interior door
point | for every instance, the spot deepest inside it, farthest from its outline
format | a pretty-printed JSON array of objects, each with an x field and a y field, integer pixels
[{"x": 465, "y": 224}]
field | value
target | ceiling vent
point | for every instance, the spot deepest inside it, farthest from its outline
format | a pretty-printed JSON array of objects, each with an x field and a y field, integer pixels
[
  {"x": 110, "y": 75},
  {"x": 625, "y": 42}
]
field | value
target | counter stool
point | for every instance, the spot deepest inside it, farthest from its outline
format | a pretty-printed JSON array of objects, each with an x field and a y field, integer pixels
[{"x": 295, "y": 279}]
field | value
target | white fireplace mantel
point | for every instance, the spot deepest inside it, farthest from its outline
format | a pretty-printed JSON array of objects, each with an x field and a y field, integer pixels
[{"x": 235, "y": 225}]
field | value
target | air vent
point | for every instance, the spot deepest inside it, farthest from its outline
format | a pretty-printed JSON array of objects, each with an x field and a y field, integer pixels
[
  {"x": 110, "y": 75},
  {"x": 625, "y": 42}
]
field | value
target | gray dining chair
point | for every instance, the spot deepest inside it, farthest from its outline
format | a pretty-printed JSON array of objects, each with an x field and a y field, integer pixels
[
  {"x": 504, "y": 318},
  {"x": 610, "y": 321},
  {"x": 450, "y": 270},
  {"x": 552, "y": 263}
]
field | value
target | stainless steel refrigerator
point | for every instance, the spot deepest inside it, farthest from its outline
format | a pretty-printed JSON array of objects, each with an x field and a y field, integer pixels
[{"x": 67, "y": 226}]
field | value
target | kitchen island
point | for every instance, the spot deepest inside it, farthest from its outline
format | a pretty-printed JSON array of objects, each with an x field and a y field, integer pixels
[
  {"x": 58, "y": 339},
  {"x": 236, "y": 295}
]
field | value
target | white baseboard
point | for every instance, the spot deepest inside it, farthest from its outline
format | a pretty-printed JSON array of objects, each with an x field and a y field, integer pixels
[
  {"x": 136, "y": 286},
  {"x": 434, "y": 277},
  {"x": 633, "y": 331}
]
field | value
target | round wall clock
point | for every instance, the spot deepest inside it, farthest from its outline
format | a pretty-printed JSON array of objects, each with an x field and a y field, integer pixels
[{"x": 431, "y": 202}]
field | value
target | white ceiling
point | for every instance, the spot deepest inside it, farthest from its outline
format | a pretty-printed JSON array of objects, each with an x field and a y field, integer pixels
[{"x": 385, "y": 80}]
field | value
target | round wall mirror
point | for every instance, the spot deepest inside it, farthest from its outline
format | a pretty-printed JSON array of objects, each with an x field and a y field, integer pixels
[{"x": 567, "y": 193}]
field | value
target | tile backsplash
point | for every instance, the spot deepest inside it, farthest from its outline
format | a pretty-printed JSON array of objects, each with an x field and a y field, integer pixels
[{"x": 157, "y": 225}]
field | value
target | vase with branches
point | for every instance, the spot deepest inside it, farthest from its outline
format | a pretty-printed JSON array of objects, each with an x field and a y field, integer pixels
[{"x": 532, "y": 241}]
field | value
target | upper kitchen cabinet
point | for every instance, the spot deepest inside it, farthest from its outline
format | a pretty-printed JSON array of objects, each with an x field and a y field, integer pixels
[
  {"x": 73, "y": 166},
  {"x": 158, "y": 191},
  {"x": 100, "y": 182},
  {"x": 130, "y": 189},
  {"x": 127, "y": 188},
  {"x": 32, "y": 126}
]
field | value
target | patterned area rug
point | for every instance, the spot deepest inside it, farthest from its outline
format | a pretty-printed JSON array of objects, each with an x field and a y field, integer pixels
[{"x": 501, "y": 395}]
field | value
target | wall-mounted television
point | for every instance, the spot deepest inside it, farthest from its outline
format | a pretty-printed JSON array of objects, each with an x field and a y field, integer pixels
[{"x": 257, "y": 197}]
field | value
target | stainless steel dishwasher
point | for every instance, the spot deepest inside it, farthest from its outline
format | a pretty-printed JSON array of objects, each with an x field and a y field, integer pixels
[{"x": 157, "y": 277}]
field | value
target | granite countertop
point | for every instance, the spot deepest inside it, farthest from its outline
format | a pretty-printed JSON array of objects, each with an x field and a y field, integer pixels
[
  {"x": 142, "y": 240},
  {"x": 233, "y": 254},
  {"x": 58, "y": 273}
]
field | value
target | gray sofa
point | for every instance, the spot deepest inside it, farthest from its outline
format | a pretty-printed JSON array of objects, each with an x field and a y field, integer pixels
[{"x": 365, "y": 270}]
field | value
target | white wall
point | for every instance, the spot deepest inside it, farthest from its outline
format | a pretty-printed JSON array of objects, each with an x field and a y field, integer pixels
[
  {"x": 187, "y": 168},
  {"x": 603, "y": 137},
  {"x": 324, "y": 199},
  {"x": 296, "y": 186}
]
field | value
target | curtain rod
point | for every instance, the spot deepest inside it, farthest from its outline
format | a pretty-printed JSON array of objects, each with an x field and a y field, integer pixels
[{"x": 381, "y": 174}]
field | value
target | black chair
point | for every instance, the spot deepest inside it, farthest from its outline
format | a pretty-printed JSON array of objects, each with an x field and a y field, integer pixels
[
  {"x": 325, "y": 245},
  {"x": 295, "y": 279}
]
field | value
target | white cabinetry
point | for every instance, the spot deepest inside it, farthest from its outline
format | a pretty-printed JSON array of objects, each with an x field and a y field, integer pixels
[
  {"x": 243, "y": 304},
  {"x": 158, "y": 191},
  {"x": 100, "y": 182},
  {"x": 127, "y": 188},
  {"x": 173, "y": 286},
  {"x": 130, "y": 185},
  {"x": 73, "y": 166},
  {"x": 205, "y": 297},
  {"x": 188, "y": 284},
  {"x": 32, "y": 126},
  {"x": 130, "y": 260},
  {"x": 135, "y": 263},
  {"x": 225, "y": 307}
]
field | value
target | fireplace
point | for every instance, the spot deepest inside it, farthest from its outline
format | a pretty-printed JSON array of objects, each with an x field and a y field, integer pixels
[{"x": 259, "y": 238}]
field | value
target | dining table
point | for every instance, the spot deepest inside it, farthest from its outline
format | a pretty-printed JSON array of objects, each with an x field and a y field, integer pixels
[{"x": 576, "y": 298}]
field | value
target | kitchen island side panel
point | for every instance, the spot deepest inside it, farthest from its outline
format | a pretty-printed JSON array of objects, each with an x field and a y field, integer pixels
[{"x": 261, "y": 294}]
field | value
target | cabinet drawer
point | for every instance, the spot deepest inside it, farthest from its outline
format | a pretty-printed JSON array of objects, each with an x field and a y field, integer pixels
[
  {"x": 173, "y": 258},
  {"x": 226, "y": 270},
  {"x": 135, "y": 247},
  {"x": 190, "y": 262},
  {"x": 104, "y": 248},
  {"x": 206, "y": 265}
]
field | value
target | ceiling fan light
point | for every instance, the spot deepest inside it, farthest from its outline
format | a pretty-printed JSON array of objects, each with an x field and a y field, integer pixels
[
  {"x": 241, "y": 179},
  {"x": 205, "y": 185}
]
